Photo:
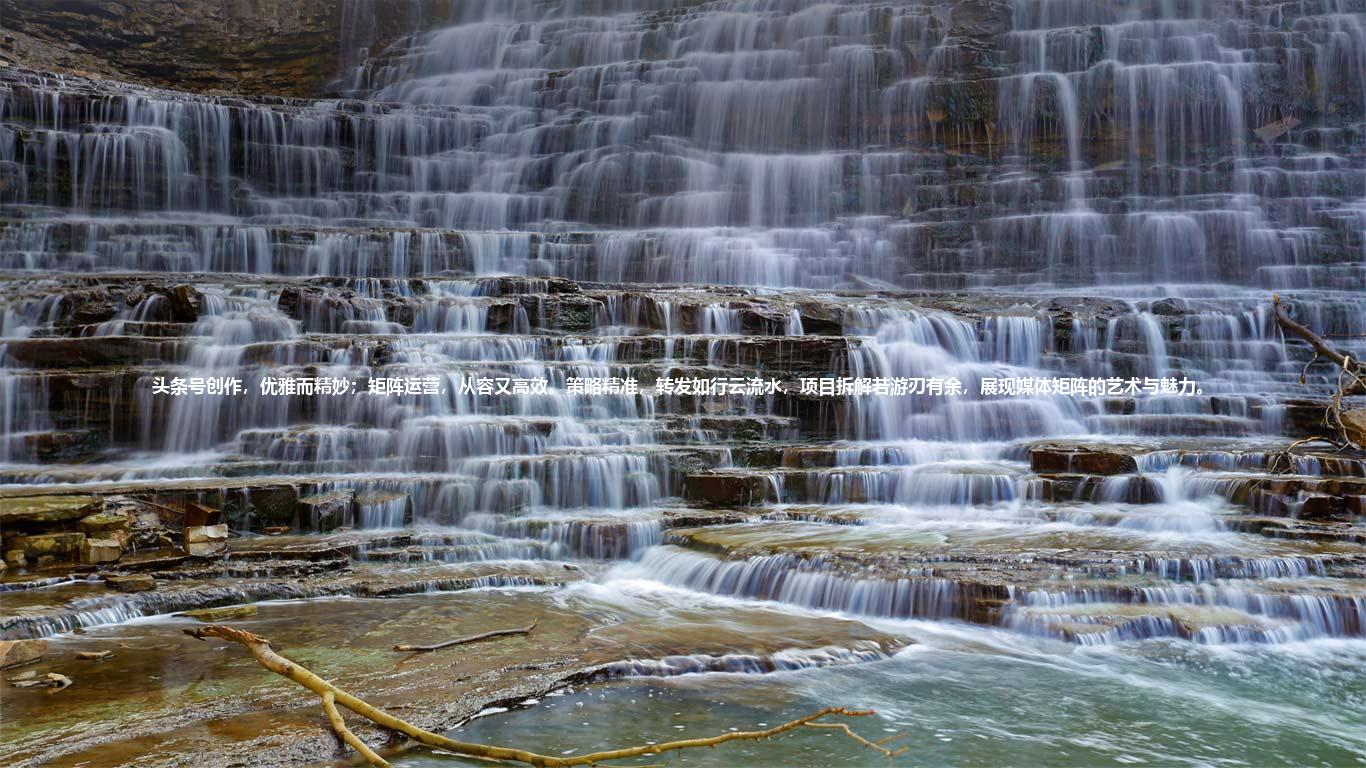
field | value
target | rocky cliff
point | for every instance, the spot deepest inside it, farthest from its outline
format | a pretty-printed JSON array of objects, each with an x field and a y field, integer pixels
[{"x": 279, "y": 47}]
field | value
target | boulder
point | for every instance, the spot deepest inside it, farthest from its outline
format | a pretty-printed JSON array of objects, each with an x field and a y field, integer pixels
[
  {"x": 137, "y": 582},
  {"x": 185, "y": 302},
  {"x": 203, "y": 540},
  {"x": 16, "y": 652},
  {"x": 1168, "y": 307}
]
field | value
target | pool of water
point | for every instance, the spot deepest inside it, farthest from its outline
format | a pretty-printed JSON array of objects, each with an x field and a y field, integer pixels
[{"x": 967, "y": 696}]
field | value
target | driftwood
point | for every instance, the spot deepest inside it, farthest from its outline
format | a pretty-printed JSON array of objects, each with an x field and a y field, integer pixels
[
  {"x": 333, "y": 696},
  {"x": 471, "y": 639},
  {"x": 339, "y": 725}
]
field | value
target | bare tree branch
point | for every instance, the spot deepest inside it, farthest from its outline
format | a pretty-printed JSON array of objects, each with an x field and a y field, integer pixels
[
  {"x": 1321, "y": 347},
  {"x": 471, "y": 639},
  {"x": 339, "y": 725}
]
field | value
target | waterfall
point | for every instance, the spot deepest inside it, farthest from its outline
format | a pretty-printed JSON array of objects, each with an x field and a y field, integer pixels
[{"x": 418, "y": 280}]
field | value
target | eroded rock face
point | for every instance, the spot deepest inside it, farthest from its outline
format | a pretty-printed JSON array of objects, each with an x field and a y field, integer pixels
[{"x": 277, "y": 47}]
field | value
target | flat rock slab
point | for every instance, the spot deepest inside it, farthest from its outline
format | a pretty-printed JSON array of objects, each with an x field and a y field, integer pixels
[
  {"x": 148, "y": 705},
  {"x": 137, "y": 582},
  {"x": 45, "y": 511},
  {"x": 1085, "y": 458}
]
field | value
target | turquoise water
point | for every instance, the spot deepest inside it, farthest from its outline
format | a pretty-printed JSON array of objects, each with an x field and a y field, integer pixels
[{"x": 965, "y": 696}]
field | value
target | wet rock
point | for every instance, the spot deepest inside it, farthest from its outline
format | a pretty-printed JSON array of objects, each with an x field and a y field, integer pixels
[
  {"x": 95, "y": 655},
  {"x": 512, "y": 285},
  {"x": 92, "y": 352},
  {"x": 50, "y": 680},
  {"x": 61, "y": 446},
  {"x": 1075, "y": 458},
  {"x": 185, "y": 302},
  {"x": 1305, "y": 418},
  {"x": 1168, "y": 307},
  {"x": 700, "y": 519},
  {"x": 16, "y": 652},
  {"x": 203, "y": 540},
  {"x": 1103, "y": 309},
  {"x": 571, "y": 313},
  {"x": 267, "y": 505},
  {"x": 377, "y": 509},
  {"x": 325, "y": 511},
  {"x": 726, "y": 489},
  {"x": 208, "y": 615},
  {"x": 821, "y": 318},
  {"x": 1319, "y": 505},
  {"x": 136, "y": 582},
  {"x": 92, "y": 312}
]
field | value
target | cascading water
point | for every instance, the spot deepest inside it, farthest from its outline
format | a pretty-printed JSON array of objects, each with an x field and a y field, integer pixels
[{"x": 517, "y": 197}]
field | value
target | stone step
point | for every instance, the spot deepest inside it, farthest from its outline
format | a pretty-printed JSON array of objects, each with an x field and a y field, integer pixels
[
  {"x": 98, "y": 607},
  {"x": 1085, "y": 599}
]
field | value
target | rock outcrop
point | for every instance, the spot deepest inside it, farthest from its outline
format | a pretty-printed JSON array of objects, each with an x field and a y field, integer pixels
[{"x": 274, "y": 47}]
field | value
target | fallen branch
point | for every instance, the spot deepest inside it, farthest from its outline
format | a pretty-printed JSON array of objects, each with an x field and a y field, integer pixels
[
  {"x": 339, "y": 725},
  {"x": 332, "y": 695},
  {"x": 1345, "y": 421},
  {"x": 1321, "y": 347},
  {"x": 873, "y": 745},
  {"x": 471, "y": 639},
  {"x": 1287, "y": 454}
]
